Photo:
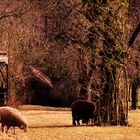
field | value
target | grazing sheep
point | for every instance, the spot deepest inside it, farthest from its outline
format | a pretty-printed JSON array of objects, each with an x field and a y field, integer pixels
[
  {"x": 82, "y": 109},
  {"x": 12, "y": 117}
]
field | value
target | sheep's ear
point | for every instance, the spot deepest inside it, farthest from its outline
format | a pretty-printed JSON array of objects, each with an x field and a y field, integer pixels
[{"x": 22, "y": 127}]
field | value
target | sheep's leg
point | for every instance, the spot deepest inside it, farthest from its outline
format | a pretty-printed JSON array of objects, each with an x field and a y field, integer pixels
[
  {"x": 73, "y": 118},
  {"x": 2, "y": 128},
  {"x": 78, "y": 122},
  {"x": 7, "y": 129},
  {"x": 14, "y": 131},
  {"x": 78, "y": 119},
  {"x": 92, "y": 121},
  {"x": 87, "y": 121},
  {"x": 74, "y": 123}
]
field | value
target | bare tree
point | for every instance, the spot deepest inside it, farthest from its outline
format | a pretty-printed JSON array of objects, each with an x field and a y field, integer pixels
[{"x": 21, "y": 28}]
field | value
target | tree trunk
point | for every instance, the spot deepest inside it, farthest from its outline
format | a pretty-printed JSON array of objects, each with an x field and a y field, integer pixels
[
  {"x": 107, "y": 96},
  {"x": 114, "y": 101},
  {"x": 134, "y": 98},
  {"x": 135, "y": 84}
]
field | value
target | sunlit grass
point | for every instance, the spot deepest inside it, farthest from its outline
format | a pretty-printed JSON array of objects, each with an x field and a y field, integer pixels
[
  {"x": 37, "y": 107},
  {"x": 57, "y": 125}
]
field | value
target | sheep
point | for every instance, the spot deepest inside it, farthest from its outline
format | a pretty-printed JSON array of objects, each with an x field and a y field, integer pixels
[
  {"x": 11, "y": 117},
  {"x": 82, "y": 109}
]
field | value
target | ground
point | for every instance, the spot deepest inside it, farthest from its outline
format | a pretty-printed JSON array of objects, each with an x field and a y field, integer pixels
[{"x": 46, "y": 123}]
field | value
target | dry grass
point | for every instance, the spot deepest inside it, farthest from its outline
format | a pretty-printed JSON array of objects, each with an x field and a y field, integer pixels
[{"x": 57, "y": 125}]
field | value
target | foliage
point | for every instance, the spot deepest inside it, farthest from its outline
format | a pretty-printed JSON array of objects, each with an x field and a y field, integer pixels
[
  {"x": 108, "y": 25},
  {"x": 107, "y": 41}
]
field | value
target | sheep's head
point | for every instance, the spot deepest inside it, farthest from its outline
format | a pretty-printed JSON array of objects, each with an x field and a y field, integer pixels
[{"x": 24, "y": 127}]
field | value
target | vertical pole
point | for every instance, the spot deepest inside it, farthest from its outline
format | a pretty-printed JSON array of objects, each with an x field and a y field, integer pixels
[{"x": 6, "y": 84}]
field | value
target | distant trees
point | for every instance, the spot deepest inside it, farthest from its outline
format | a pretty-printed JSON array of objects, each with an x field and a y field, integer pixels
[
  {"x": 65, "y": 30},
  {"x": 9, "y": 11},
  {"x": 20, "y": 36},
  {"x": 80, "y": 45}
]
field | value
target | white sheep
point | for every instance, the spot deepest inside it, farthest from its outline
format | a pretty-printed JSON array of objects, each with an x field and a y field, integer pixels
[{"x": 11, "y": 117}]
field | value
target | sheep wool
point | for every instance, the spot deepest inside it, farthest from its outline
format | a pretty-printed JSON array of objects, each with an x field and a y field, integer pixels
[{"x": 11, "y": 117}]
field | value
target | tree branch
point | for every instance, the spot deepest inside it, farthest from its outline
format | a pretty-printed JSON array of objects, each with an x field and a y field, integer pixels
[{"x": 134, "y": 35}]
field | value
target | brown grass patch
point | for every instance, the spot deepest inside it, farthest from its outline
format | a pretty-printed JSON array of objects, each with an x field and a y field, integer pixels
[{"x": 57, "y": 125}]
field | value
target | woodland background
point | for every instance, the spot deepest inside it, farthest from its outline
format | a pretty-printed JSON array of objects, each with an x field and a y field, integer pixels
[{"x": 60, "y": 38}]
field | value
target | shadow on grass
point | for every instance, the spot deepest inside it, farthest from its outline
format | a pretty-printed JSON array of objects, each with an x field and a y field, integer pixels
[{"x": 56, "y": 126}]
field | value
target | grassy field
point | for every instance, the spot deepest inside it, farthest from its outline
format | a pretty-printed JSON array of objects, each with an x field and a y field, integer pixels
[{"x": 46, "y": 123}]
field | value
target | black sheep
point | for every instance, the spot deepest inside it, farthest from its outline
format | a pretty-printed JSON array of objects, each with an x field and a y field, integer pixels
[{"x": 82, "y": 109}]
